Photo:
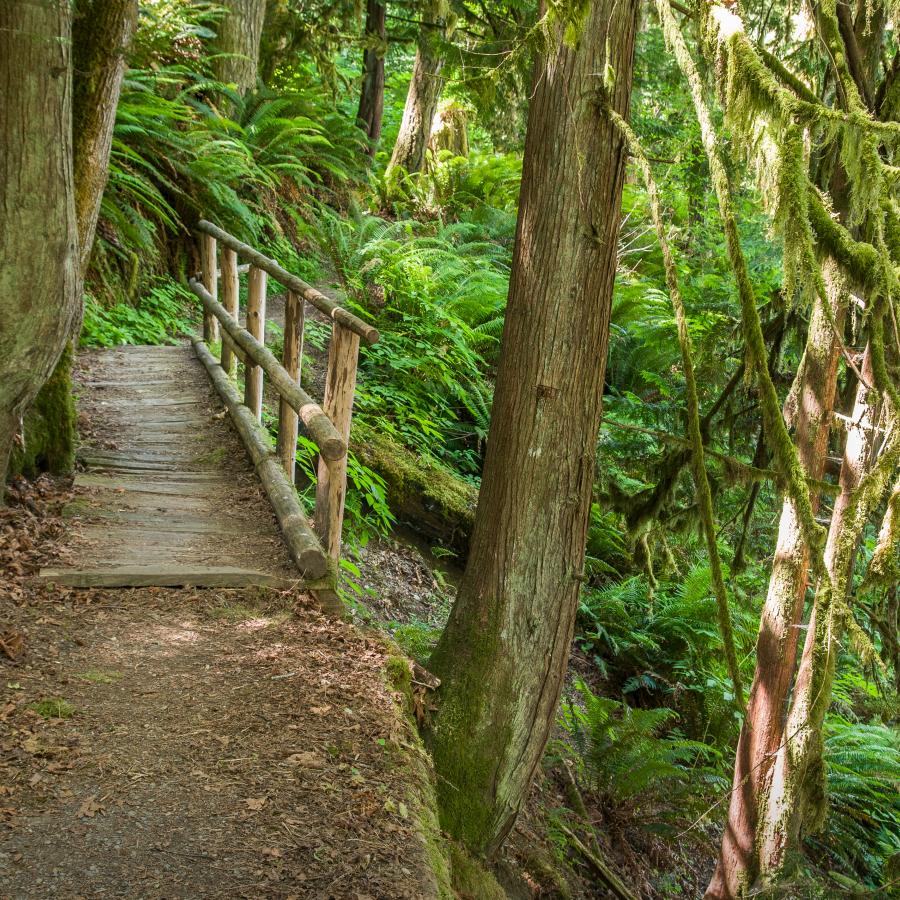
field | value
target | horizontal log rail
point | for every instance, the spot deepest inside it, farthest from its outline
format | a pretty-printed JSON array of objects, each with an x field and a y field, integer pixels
[
  {"x": 323, "y": 434},
  {"x": 328, "y": 425},
  {"x": 315, "y": 298}
]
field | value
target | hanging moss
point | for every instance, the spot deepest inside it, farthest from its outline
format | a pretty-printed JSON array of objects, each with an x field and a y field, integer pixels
[
  {"x": 695, "y": 434},
  {"x": 784, "y": 452},
  {"x": 49, "y": 426}
]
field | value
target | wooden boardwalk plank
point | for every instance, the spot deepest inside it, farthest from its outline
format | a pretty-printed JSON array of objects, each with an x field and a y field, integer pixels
[{"x": 168, "y": 496}]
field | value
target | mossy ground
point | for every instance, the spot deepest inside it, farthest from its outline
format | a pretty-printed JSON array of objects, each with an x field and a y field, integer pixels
[{"x": 49, "y": 428}]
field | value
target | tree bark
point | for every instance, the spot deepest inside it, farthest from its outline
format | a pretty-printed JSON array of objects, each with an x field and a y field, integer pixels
[
  {"x": 39, "y": 251},
  {"x": 101, "y": 37},
  {"x": 798, "y": 769},
  {"x": 762, "y": 732},
  {"x": 504, "y": 652},
  {"x": 371, "y": 100},
  {"x": 237, "y": 43},
  {"x": 425, "y": 87}
]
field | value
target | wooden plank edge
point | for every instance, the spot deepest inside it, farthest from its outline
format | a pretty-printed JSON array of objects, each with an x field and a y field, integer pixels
[{"x": 166, "y": 576}]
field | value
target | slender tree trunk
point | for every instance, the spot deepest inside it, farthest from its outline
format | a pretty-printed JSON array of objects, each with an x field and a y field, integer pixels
[
  {"x": 425, "y": 87},
  {"x": 371, "y": 100},
  {"x": 237, "y": 43},
  {"x": 798, "y": 795},
  {"x": 504, "y": 653},
  {"x": 776, "y": 648},
  {"x": 101, "y": 38},
  {"x": 39, "y": 258}
]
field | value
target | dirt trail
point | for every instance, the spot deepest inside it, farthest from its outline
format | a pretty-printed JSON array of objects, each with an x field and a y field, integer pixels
[{"x": 210, "y": 743}]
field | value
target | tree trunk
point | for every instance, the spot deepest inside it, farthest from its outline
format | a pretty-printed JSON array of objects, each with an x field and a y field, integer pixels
[
  {"x": 237, "y": 43},
  {"x": 39, "y": 261},
  {"x": 798, "y": 770},
  {"x": 504, "y": 653},
  {"x": 371, "y": 100},
  {"x": 101, "y": 37},
  {"x": 776, "y": 647},
  {"x": 424, "y": 91}
]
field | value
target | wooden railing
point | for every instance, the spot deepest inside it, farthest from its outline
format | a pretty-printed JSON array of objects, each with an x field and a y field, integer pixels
[{"x": 327, "y": 426}]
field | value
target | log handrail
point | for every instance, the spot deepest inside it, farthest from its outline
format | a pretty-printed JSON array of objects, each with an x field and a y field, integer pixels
[
  {"x": 321, "y": 430},
  {"x": 317, "y": 543},
  {"x": 325, "y": 305}
]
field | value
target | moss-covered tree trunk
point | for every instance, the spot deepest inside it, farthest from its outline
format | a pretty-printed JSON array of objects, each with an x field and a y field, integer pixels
[
  {"x": 504, "y": 653},
  {"x": 371, "y": 99},
  {"x": 424, "y": 92},
  {"x": 39, "y": 258},
  {"x": 798, "y": 769},
  {"x": 776, "y": 648},
  {"x": 237, "y": 43},
  {"x": 101, "y": 36},
  {"x": 766, "y": 805}
]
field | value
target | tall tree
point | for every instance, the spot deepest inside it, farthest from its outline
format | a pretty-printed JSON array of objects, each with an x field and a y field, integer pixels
[
  {"x": 237, "y": 43},
  {"x": 503, "y": 655},
  {"x": 101, "y": 36},
  {"x": 775, "y": 752},
  {"x": 39, "y": 251},
  {"x": 371, "y": 99},
  {"x": 425, "y": 85}
]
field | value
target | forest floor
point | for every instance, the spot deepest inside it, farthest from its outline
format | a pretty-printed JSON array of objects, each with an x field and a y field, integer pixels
[{"x": 187, "y": 743}]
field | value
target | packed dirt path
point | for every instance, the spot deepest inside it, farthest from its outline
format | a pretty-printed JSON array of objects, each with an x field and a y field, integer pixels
[{"x": 193, "y": 743}]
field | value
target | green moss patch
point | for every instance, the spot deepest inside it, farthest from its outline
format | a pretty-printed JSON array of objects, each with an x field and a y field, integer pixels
[
  {"x": 54, "y": 708},
  {"x": 439, "y": 504},
  {"x": 49, "y": 427}
]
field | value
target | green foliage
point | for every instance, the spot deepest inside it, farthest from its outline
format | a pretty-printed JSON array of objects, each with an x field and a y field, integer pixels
[
  {"x": 863, "y": 788},
  {"x": 54, "y": 708},
  {"x": 665, "y": 644},
  {"x": 163, "y": 314},
  {"x": 416, "y": 639},
  {"x": 622, "y": 753},
  {"x": 436, "y": 292}
]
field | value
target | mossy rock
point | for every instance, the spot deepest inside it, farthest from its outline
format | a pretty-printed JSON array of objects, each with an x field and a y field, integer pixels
[
  {"x": 437, "y": 503},
  {"x": 49, "y": 427}
]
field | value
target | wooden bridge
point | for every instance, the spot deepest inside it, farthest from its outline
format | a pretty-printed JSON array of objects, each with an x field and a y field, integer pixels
[{"x": 161, "y": 506}]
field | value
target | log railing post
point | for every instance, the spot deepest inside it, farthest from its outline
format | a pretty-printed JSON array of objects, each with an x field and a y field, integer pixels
[
  {"x": 256, "y": 325},
  {"x": 210, "y": 282},
  {"x": 230, "y": 293},
  {"x": 340, "y": 384},
  {"x": 294, "y": 317}
]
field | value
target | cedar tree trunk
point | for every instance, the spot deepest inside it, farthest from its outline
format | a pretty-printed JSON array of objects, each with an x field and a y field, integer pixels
[
  {"x": 237, "y": 43},
  {"x": 503, "y": 655},
  {"x": 39, "y": 263},
  {"x": 424, "y": 91},
  {"x": 371, "y": 100},
  {"x": 101, "y": 38}
]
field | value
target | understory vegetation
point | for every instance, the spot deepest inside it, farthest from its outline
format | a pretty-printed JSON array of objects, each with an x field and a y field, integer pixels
[{"x": 643, "y": 749}]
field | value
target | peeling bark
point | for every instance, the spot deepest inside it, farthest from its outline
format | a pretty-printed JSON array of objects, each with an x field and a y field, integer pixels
[{"x": 776, "y": 648}]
